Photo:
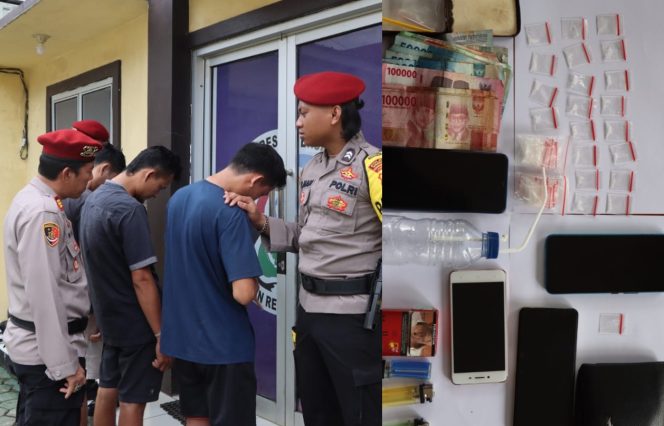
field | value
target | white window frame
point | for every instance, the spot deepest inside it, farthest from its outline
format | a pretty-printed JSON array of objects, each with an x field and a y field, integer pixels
[{"x": 78, "y": 95}]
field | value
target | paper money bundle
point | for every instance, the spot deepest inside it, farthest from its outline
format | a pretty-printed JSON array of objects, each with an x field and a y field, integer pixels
[{"x": 444, "y": 93}]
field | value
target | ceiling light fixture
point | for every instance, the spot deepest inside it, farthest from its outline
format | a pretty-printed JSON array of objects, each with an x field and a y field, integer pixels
[{"x": 41, "y": 39}]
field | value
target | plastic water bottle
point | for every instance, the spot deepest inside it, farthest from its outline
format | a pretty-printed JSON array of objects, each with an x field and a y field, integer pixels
[{"x": 455, "y": 243}]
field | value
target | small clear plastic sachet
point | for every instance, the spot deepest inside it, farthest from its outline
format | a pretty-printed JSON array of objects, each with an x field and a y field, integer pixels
[{"x": 534, "y": 153}]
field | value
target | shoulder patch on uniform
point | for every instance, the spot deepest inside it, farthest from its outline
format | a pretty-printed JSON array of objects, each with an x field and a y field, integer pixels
[
  {"x": 373, "y": 166},
  {"x": 58, "y": 202},
  {"x": 51, "y": 233},
  {"x": 348, "y": 155},
  {"x": 348, "y": 173}
]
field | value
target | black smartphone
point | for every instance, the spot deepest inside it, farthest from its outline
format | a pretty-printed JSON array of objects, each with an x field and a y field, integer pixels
[
  {"x": 545, "y": 367},
  {"x": 620, "y": 394},
  {"x": 444, "y": 180},
  {"x": 616, "y": 263}
]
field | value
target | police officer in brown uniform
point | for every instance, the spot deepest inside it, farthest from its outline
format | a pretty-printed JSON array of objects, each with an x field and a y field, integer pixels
[
  {"x": 338, "y": 237},
  {"x": 48, "y": 295}
]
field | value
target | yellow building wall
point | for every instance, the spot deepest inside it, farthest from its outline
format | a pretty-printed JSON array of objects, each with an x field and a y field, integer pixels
[
  {"x": 203, "y": 13},
  {"x": 127, "y": 43},
  {"x": 13, "y": 170}
]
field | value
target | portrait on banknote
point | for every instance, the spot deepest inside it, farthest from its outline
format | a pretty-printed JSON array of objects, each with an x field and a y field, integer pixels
[
  {"x": 457, "y": 124},
  {"x": 466, "y": 119}
]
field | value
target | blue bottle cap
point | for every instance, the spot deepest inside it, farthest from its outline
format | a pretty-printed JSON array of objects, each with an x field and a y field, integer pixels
[{"x": 491, "y": 245}]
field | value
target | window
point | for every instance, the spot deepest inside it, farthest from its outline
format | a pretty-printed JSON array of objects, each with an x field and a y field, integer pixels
[{"x": 94, "y": 95}]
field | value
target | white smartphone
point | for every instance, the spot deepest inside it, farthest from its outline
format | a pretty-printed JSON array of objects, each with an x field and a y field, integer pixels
[{"x": 479, "y": 326}]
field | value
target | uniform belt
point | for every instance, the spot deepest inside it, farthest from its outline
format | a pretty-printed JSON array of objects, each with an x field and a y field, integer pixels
[
  {"x": 75, "y": 326},
  {"x": 347, "y": 287}
]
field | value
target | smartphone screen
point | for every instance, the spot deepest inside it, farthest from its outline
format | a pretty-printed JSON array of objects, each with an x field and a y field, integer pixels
[
  {"x": 545, "y": 367},
  {"x": 603, "y": 263},
  {"x": 478, "y": 321},
  {"x": 444, "y": 180}
]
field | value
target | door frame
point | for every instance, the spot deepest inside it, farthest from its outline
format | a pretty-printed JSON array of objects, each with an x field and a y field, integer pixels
[{"x": 284, "y": 38}]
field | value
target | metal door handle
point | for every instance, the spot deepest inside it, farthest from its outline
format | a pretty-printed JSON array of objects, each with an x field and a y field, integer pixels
[{"x": 277, "y": 207}]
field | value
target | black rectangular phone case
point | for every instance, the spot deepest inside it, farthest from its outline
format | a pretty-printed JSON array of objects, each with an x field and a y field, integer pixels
[
  {"x": 620, "y": 394},
  {"x": 545, "y": 367},
  {"x": 603, "y": 263},
  {"x": 444, "y": 180}
]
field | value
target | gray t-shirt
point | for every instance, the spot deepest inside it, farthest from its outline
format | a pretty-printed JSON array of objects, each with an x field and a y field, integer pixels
[
  {"x": 73, "y": 207},
  {"x": 115, "y": 240}
]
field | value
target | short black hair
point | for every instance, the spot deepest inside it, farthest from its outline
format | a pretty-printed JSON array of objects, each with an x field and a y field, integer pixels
[
  {"x": 158, "y": 157},
  {"x": 351, "y": 122},
  {"x": 113, "y": 156},
  {"x": 50, "y": 167},
  {"x": 262, "y": 159}
]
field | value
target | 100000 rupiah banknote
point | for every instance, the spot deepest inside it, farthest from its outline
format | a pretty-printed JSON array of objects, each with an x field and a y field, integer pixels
[
  {"x": 424, "y": 77},
  {"x": 409, "y": 116},
  {"x": 465, "y": 119},
  {"x": 411, "y": 76},
  {"x": 463, "y": 81}
]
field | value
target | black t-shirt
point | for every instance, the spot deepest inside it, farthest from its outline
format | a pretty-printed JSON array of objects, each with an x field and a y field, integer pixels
[{"x": 115, "y": 240}]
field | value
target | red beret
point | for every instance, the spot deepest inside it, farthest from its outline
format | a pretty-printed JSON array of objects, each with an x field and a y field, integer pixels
[
  {"x": 328, "y": 88},
  {"x": 69, "y": 144},
  {"x": 92, "y": 128}
]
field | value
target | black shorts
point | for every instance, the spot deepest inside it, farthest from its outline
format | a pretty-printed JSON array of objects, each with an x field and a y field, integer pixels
[
  {"x": 130, "y": 371},
  {"x": 226, "y": 394},
  {"x": 40, "y": 400}
]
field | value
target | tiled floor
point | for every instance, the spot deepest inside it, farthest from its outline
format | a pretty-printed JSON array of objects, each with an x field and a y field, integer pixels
[
  {"x": 154, "y": 414},
  {"x": 8, "y": 397}
]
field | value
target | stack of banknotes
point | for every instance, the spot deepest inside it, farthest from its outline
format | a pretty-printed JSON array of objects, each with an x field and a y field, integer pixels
[{"x": 444, "y": 93}]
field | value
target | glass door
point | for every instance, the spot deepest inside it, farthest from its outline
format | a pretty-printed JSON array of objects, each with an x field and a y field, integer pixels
[{"x": 245, "y": 109}]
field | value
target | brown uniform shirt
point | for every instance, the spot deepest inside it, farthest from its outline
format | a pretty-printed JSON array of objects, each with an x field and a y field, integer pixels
[
  {"x": 46, "y": 282},
  {"x": 338, "y": 234}
]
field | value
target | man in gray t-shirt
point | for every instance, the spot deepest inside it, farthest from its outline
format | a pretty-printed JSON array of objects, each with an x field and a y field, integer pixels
[{"x": 116, "y": 244}]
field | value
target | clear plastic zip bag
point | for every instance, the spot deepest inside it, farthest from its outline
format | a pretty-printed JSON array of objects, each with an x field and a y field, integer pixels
[
  {"x": 574, "y": 28},
  {"x": 609, "y": 25},
  {"x": 617, "y": 80},
  {"x": 528, "y": 188},
  {"x": 618, "y": 203},
  {"x": 617, "y": 130},
  {"x": 544, "y": 118},
  {"x": 613, "y": 105},
  {"x": 538, "y": 34},
  {"x": 613, "y": 50},
  {"x": 586, "y": 179},
  {"x": 543, "y": 63},
  {"x": 585, "y": 203},
  {"x": 543, "y": 94},
  {"x": 580, "y": 83},
  {"x": 584, "y": 155},
  {"x": 582, "y": 130},
  {"x": 577, "y": 55},
  {"x": 537, "y": 151},
  {"x": 579, "y": 106},
  {"x": 621, "y": 180},
  {"x": 622, "y": 153}
]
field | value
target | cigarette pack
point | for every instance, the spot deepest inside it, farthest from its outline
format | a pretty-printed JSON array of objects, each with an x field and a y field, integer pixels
[{"x": 410, "y": 332}]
